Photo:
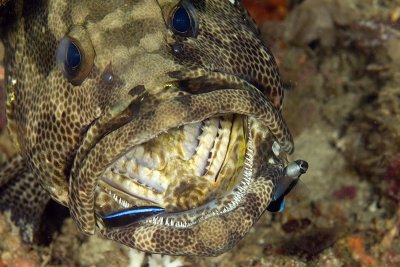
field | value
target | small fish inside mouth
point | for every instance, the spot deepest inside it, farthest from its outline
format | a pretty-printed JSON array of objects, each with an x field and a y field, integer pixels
[
  {"x": 127, "y": 216},
  {"x": 181, "y": 169}
]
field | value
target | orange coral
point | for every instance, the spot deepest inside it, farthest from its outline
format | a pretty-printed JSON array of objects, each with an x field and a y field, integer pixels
[
  {"x": 262, "y": 10},
  {"x": 356, "y": 244}
]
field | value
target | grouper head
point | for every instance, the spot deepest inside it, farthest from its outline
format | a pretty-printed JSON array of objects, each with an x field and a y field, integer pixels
[{"x": 157, "y": 122}]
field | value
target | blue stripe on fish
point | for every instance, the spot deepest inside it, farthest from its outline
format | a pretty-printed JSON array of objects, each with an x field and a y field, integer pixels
[{"x": 130, "y": 215}]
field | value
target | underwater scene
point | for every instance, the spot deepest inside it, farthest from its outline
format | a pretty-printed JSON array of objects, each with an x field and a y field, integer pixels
[{"x": 200, "y": 133}]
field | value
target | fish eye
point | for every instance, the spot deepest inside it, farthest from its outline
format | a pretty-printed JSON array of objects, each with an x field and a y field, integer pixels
[
  {"x": 74, "y": 61},
  {"x": 69, "y": 57},
  {"x": 73, "y": 57},
  {"x": 183, "y": 21}
]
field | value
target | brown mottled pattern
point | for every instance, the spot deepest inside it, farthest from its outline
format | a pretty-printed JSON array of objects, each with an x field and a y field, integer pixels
[
  {"x": 208, "y": 238},
  {"x": 70, "y": 131},
  {"x": 22, "y": 193},
  {"x": 226, "y": 44},
  {"x": 169, "y": 114}
]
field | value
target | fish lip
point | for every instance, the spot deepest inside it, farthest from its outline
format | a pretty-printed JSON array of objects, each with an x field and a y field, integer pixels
[{"x": 94, "y": 136}]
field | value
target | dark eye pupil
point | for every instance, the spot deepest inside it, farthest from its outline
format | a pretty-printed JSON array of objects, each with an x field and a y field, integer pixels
[
  {"x": 73, "y": 56},
  {"x": 181, "y": 20}
]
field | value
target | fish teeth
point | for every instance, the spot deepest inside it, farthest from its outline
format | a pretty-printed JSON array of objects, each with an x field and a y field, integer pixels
[
  {"x": 206, "y": 141},
  {"x": 191, "y": 133},
  {"x": 219, "y": 150},
  {"x": 131, "y": 187}
]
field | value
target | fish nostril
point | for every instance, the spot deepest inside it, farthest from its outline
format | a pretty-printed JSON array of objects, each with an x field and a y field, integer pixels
[
  {"x": 108, "y": 77},
  {"x": 178, "y": 48}
]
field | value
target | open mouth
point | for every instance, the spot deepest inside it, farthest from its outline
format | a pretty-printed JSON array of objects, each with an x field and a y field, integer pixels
[
  {"x": 183, "y": 168},
  {"x": 186, "y": 155}
]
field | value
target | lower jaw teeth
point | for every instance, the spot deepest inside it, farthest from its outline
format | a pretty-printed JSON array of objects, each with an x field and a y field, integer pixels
[{"x": 181, "y": 169}]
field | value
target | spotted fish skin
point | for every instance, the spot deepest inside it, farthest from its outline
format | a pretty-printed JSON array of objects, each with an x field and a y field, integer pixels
[{"x": 136, "y": 79}]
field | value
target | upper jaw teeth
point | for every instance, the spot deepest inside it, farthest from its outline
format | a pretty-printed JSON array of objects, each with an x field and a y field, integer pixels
[{"x": 192, "y": 154}]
